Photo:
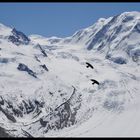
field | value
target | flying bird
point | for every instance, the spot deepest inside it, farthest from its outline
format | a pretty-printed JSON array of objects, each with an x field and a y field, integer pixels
[
  {"x": 94, "y": 82},
  {"x": 89, "y": 65}
]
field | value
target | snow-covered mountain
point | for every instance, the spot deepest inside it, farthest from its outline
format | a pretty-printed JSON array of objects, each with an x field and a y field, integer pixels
[
  {"x": 47, "y": 89},
  {"x": 117, "y": 37}
]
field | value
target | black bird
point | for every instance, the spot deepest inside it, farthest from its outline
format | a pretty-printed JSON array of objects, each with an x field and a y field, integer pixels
[
  {"x": 94, "y": 82},
  {"x": 89, "y": 65}
]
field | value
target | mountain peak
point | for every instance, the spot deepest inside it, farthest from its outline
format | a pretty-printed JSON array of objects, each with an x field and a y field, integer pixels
[
  {"x": 134, "y": 13},
  {"x": 128, "y": 16},
  {"x": 18, "y": 37},
  {"x": 47, "y": 88},
  {"x": 101, "y": 19}
]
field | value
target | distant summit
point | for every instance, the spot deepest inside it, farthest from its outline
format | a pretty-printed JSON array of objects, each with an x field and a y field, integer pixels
[{"x": 18, "y": 38}]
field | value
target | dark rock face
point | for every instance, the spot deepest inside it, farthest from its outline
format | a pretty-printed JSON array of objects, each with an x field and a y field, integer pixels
[
  {"x": 43, "y": 123},
  {"x": 137, "y": 28},
  {"x": 62, "y": 116},
  {"x": 28, "y": 135},
  {"x": 23, "y": 67},
  {"x": 18, "y": 38},
  {"x": 37, "y": 59},
  {"x": 44, "y": 67},
  {"x": 119, "y": 60},
  {"x": 12, "y": 110},
  {"x": 1, "y": 101},
  {"x": 28, "y": 106},
  {"x": 8, "y": 115},
  {"x": 42, "y": 50}
]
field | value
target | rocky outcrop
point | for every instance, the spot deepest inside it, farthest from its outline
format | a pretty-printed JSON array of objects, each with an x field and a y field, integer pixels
[
  {"x": 18, "y": 38},
  {"x": 23, "y": 67},
  {"x": 12, "y": 110},
  {"x": 8, "y": 115},
  {"x": 44, "y": 67},
  {"x": 62, "y": 116},
  {"x": 42, "y": 50}
]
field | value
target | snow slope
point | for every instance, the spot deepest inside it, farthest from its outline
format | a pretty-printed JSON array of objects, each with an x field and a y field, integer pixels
[{"x": 46, "y": 88}]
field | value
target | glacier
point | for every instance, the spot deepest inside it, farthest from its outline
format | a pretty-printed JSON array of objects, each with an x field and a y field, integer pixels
[{"x": 46, "y": 88}]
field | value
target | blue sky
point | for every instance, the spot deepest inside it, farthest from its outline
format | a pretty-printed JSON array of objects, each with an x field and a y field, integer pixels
[{"x": 58, "y": 19}]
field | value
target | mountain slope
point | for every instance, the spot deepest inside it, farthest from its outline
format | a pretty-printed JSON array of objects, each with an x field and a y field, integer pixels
[
  {"x": 116, "y": 37},
  {"x": 46, "y": 87}
]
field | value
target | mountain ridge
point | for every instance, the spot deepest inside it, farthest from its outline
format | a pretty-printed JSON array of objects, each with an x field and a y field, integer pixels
[{"x": 47, "y": 90}]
